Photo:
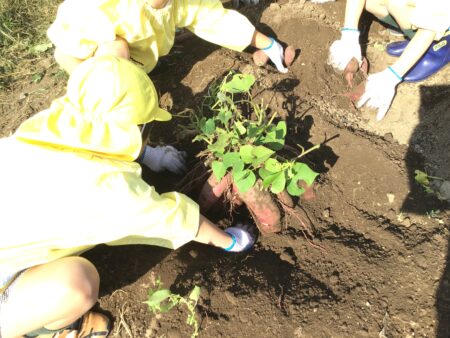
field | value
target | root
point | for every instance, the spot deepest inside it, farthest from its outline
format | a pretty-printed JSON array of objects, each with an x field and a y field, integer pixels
[
  {"x": 193, "y": 179},
  {"x": 306, "y": 230}
]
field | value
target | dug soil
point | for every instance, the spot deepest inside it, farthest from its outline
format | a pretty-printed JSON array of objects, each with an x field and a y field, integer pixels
[{"x": 377, "y": 265}]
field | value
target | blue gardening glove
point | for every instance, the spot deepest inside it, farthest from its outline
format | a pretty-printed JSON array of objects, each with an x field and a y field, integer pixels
[
  {"x": 380, "y": 91},
  {"x": 275, "y": 52},
  {"x": 164, "y": 158},
  {"x": 241, "y": 236},
  {"x": 343, "y": 50}
]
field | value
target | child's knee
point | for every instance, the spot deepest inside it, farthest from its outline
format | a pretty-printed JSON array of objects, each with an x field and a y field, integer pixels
[{"x": 81, "y": 282}]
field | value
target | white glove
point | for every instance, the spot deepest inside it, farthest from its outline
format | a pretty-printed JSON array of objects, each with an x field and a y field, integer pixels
[
  {"x": 275, "y": 52},
  {"x": 164, "y": 158},
  {"x": 343, "y": 50},
  {"x": 242, "y": 238},
  {"x": 380, "y": 91}
]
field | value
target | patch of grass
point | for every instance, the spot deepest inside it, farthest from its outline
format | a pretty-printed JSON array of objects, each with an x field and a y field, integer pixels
[{"x": 23, "y": 27}]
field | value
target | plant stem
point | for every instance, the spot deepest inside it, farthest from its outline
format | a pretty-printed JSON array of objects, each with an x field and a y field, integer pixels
[{"x": 317, "y": 146}]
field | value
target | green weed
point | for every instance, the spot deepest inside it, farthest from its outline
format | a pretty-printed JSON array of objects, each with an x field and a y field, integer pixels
[
  {"x": 162, "y": 300},
  {"x": 424, "y": 180},
  {"x": 23, "y": 27},
  {"x": 243, "y": 140}
]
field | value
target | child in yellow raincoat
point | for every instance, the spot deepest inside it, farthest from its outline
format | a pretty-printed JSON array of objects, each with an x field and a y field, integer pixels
[
  {"x": 69, "y": 182},
  {"x": 145, "y": 30}
]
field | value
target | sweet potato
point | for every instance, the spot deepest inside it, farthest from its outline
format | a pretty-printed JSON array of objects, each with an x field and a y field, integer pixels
[
  {"x": 352, "y": 69},
  {"x": 355, "y": 94},
  {"x": 309, "y": 191},
  {"x": 212, "y": 190},
  {"x": 263, "y": 208},
  {"x": 285, "y": 199}
]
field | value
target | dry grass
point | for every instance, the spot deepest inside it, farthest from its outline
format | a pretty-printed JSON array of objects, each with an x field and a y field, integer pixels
[{"x": 23, "y": 26}]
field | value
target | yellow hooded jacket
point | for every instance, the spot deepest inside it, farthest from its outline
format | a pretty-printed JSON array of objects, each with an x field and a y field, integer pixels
[
  {"x": 81, "y": 25},
  {"x": 68, "y": 180}
]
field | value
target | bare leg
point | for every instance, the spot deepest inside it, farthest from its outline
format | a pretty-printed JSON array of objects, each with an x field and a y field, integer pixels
[
  {"x": 51, "y": 295},
  {"x": 377, "y": 8},
  {"x": 401, "y": 11}
]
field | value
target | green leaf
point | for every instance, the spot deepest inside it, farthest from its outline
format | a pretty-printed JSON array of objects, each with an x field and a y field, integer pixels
[
  {"x": 199, "y": 138},
  {"x": 263, "y": 173},
  {"x": 305, "y": 173},
  {"x": 221, "y": 143},
  {"x": 246, "y": 182},
  {"x": 43, "y": 47},
  {"x": 229, "y": 159},
  {"x": 209, "y": 127},
  {"x": 254, "y": 130},
  {"x": 219, "y": 169},
  {"x": 272, "y": 165},
  {"x": 268, "y": 180},
  {"x": 275, "y": 135},
  {"x": 239, "y": 83},
  {"x": 278, "y": 183},
  {"x": 37, "y": 77},
  {"x": 421, "y": 177},
  {"x": 281, "y": 130},
  {"x": 155, "y": 298},
  {"x": 246, "y": 153},
  {"x": 261, "y": 154},
  {"x": 238, "y": 171},
  {"x": 293, "y": 189},
  {"x": 167, "y": 307},
  {"x": 224, "y": 116},
  {"x": 195, "y": 294},
  {"x": 239, "y": 127}
]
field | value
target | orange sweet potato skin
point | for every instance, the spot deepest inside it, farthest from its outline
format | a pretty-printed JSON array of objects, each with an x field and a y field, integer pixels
[
  {"x": 263, "y": 208},
  {"x": 212, "y": 190}
]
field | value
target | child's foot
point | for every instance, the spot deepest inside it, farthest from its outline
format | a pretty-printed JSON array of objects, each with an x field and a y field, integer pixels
[
  {"x": 260, "y": 58},
  {"x": 436, "y": 58},
  {"x": 92, "y": 324}
]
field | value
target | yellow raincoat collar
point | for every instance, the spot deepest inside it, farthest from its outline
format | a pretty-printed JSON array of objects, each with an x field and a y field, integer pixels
[{"x": 107, "y": 98}]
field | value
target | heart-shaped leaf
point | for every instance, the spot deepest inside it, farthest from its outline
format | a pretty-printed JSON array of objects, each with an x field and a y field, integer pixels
[
  {"x": 239, "y": 83},
  {"x": 219, "y": 169}
]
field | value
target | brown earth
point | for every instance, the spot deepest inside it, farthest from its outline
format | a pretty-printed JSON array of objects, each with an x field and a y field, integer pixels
[{"x": 383, "y": 269}]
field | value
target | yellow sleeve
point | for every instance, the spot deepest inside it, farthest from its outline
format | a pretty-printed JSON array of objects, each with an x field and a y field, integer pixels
[
  {"x": 143, "y": 216},
  {"x": 80, "y": 25},
  {"x": 209, "y": 20}
]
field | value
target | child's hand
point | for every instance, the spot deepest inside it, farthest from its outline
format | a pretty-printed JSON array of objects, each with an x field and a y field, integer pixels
[
  {"x": 242, "y": 238},
  {"x": 379, "y": 92},
  {"x": 275, "y": 52},
  {"x": 343, "y": 50},
  {"x": 165, "y": 158}
]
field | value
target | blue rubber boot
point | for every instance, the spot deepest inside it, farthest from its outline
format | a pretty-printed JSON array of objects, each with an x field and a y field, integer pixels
[
  {"x": 436, "y": 58},
  {"x": 396, "y": 48}
]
